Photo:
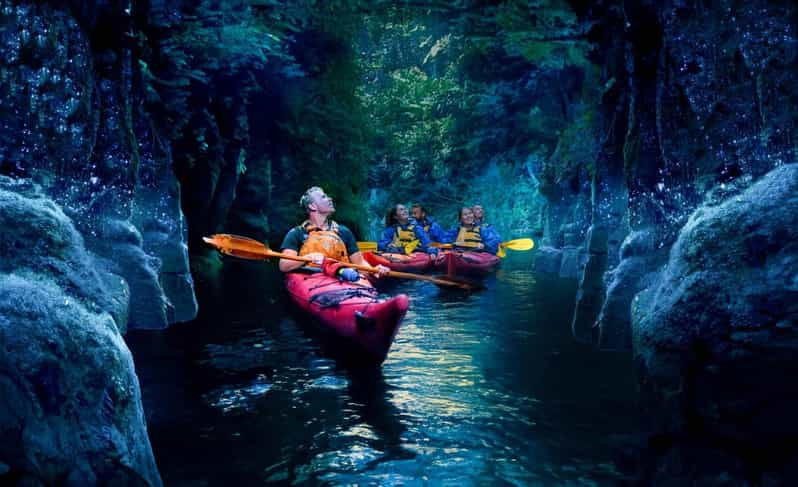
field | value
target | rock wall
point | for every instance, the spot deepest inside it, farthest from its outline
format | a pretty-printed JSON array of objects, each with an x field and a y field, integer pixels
[
  {"x": 73, "y": 122},
  {"x": 697, "y": 105},
  {"x": 94, "y": 243},
  {"x": 715, "y": 341},
  {"x": 699, "y": 113},
  {"x": 70, "y": 406}
]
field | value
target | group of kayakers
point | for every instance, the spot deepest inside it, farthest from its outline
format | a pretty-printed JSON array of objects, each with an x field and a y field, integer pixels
[
  {"x": 402, "y": 230},
  {"x": 340, "y": 298},
  {"x": 329, "y": 243}
]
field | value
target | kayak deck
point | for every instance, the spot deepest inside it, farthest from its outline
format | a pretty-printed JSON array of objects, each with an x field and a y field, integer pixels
[
  {"x": 452, "y": 262},
  {"x": 351, "y": 311}
]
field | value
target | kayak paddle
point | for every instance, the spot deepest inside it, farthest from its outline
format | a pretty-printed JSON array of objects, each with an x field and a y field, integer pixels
[
  {"x": 247, "y": 248},
  {"x": 367, "y": 246},
  {"x": 372, "y": 246},
  {"x": 519, "y": 245}
]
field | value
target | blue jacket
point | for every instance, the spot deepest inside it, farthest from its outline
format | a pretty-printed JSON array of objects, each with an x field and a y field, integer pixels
[
  {"x": 490, "y": 236},
  {"x": 436, "y": 233},
  {"x": 384, "y": 244}
]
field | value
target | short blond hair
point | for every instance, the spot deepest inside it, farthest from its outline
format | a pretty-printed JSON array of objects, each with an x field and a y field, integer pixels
[{"x": 306, "y": 199}]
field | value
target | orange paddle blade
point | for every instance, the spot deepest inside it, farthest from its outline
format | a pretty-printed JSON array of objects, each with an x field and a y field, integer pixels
[{"x": 244, "y": 247}]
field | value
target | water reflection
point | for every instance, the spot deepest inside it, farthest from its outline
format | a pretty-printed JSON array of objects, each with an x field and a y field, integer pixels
[
  {"x": 370, "y": 399},
  {"x": 230, "y": 398}
]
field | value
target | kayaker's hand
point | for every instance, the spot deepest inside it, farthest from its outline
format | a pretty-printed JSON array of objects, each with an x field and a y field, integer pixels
[
  {"x": 348, "y": 274},
  {"x": 317, "y": 257},
  {"x": 382, "y": 270}
]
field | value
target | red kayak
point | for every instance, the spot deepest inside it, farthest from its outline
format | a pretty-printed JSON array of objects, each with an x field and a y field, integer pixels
[
  {"x": 415, "y": 262},
  {"x": 350, "y": 310},
  {"x": 468, "y": 263}
]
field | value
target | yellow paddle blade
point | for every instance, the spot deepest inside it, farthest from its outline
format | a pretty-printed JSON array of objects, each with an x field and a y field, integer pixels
[
  {"x": 367, "y": 246},
  {"x": 519, "y": 244},
  {"x": 411, "y": 246}
]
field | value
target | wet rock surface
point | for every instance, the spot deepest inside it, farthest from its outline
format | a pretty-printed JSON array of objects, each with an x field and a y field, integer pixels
[
  {"x": 640, "y": 255},
  {"x": 72, "y": 122},
  {"x": 704, "y": 110},
  {"x": 93, "y": 244},
  {"x": 70, "y": 406},
  {"x": 39, "y": 238},
  {"x": 548, "y": 260},
  {"x": 715, "y": 338}
]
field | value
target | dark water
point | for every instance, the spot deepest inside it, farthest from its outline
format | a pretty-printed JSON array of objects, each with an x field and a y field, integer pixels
[{"x": 480, "y": 389}]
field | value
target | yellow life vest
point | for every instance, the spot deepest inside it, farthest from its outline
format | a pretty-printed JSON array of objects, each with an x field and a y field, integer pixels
[
  {"x": 403, "y": 237},
  {"x": 326, "y": 242},
  {"x": 469, "y": 237}
]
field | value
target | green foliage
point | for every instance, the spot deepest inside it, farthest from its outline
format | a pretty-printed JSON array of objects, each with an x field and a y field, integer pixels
[
  {"x": 411, "y": 106},
  {"x": 215, "y": 39},
  {"x": 462, "y": 97},
  {"x": 207, "y": 74},
  {"x": 325, "y": 132},
  {"x": 545, "y": 32},
  {"x": 328, "y": 137},
  {"x": 438, "y": 103},
  {"x": 577, "y": 147},
  {"x": 413, "y": 113}
]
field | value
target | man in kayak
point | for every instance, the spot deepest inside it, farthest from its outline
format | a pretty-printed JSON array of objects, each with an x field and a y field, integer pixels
[
  {"x": 479, "y": 214},
  {"x": 400, "y": 231},
  {"x": 434, "y": 231},
  {"x": 470, "y": 236},
  {"x": 323, "y": 240},
  {"x": 479, "y": 219}
]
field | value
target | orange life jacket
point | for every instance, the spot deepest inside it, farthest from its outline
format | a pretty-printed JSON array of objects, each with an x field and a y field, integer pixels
[{"x": 326, "y": 242}]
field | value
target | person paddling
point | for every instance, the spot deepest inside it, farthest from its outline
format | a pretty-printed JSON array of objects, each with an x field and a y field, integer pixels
[
  {"x": 400, "y": 231},
  {"x": 323, "y": 240},
  {"x": 470, "y": 236}
]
